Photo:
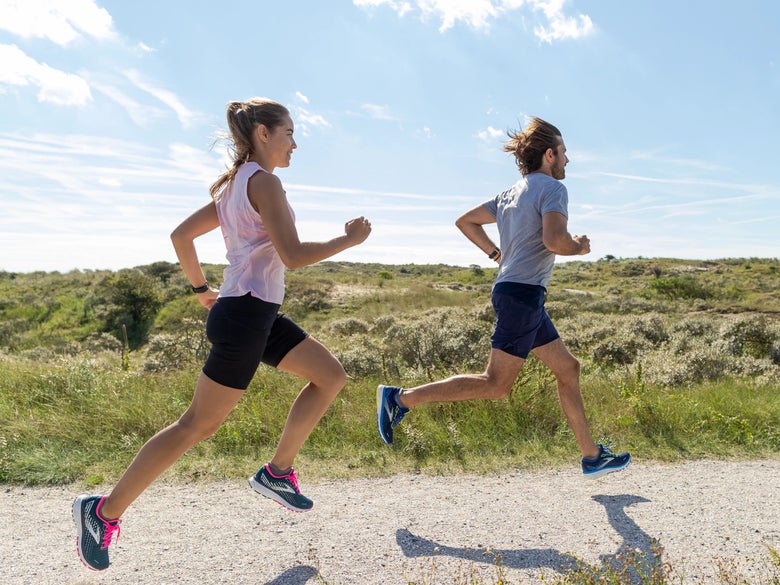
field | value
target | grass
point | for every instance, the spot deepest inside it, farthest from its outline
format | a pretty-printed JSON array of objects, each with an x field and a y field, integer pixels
[{"x": 86, "y": 418}]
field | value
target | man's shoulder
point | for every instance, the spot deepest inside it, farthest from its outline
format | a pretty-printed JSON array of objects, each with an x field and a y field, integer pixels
[
  {"x": 542, "y": 179},
  {"x": 544, "y": 185}
]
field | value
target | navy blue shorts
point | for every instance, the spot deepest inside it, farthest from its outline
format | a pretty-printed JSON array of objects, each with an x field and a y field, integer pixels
[
  {"x": 522, "y": 323},
  {"x": 243, "y": 332}
]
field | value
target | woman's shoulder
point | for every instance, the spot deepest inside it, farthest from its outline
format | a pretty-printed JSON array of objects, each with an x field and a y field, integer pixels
[
  {"x": 264, "y": 189},
  {"x": 261, "y": 179}
]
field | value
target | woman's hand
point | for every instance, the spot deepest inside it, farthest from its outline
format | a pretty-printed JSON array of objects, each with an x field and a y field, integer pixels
[
  {"x": 208, "y": 298},
  {"x": 357, "y": 230}
]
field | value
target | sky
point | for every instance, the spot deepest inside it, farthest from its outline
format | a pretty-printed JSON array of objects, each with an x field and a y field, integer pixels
[{"x": 109, "y": 113}]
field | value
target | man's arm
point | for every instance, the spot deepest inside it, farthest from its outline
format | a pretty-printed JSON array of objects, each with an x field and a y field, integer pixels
[
  {"x": 557, "y": 239},
  {"x": 471, "y": 222}
]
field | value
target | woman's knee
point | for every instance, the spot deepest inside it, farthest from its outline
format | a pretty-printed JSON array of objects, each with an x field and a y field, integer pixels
[
  {"x": 333, "y": 378},
  {"x": 197, "y": 429}
]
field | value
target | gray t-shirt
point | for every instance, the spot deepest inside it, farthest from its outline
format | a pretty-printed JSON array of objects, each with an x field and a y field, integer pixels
[{"x": 518, "y": 212}]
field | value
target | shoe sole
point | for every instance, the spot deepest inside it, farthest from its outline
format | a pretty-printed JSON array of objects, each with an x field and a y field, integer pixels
[
  {"x": 77, "y": 519},
  {"x": 272, "y": 495},
  {"x": 379, "y": 411},
  {"x": 605, "y": 471}
]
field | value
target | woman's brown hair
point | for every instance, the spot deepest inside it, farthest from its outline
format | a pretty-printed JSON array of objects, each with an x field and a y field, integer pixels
[{"x": 242, "y": 119}]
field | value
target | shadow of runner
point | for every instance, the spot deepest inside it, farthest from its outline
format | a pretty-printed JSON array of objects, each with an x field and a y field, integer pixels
[
  {"x": 639, "y": 554},
  {"x": 299, "y": 575},
  {"x": 530, "y": 558},
  {"x": 637, "y": 548}
]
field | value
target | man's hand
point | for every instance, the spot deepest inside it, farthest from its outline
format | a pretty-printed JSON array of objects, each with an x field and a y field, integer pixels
[{"x": 584, "y": 243}]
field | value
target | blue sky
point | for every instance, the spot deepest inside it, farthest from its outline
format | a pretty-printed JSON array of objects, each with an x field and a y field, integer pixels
[{"x": 109, "y": 109}]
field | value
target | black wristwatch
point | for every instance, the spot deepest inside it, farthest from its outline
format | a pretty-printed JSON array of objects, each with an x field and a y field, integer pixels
[{"x": 200, "y": 289}]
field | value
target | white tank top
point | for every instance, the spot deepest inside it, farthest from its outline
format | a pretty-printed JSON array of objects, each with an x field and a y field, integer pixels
[{"x": 254, "y": 265}]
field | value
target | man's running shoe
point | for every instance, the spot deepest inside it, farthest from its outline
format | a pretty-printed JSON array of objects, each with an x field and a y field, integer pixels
[
  {"x": 93, "y": 532},
  {"x": 603, "y": 463},
  {"x": 388, "y": 412},
  {"x": 282, "y": 489}
]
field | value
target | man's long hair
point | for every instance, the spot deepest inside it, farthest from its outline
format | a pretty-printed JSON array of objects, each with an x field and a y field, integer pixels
[{"x": 529, "y": 145}]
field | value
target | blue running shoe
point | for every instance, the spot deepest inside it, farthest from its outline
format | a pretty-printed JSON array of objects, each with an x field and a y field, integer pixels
[
  {"x": 282, "y": 489},
  {"x": 93, "y": 532},
  {"x": 388, "y": 412},
  {"x": 603, "y": 463}
]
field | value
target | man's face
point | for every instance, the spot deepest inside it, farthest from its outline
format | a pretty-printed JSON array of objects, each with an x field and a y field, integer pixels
[{"x": 558, "y": 169}]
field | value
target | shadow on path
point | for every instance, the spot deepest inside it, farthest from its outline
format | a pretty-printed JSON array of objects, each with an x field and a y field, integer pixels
[
  {"x": 299, "y": 575},
  {"x": 637, "y": 547}
]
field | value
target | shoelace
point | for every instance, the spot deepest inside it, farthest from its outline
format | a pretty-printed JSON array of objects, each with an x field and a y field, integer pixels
[
  {"x": 293, "y": 478},
  {"x": 110, "y": 529},
  {"x": 606, "y": 453},
  {"x": 397, "y": 418}
]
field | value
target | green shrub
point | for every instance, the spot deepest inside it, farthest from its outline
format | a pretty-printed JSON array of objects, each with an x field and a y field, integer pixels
[
  {"x": 650, "y": 326},
  {"x": 128, "y": 298},
  {"x": 750, "y": 337},
  {"x": 11, "y": 332},
  {"x": 366, "y": 361},
  {"x": 382, "y": 323},
  {"x": 172, "y": 351},
  {"x": 678, "y": 287},
  {"x": 610, "y": 352},
  {"x": 694, "y": 326},
  {"x": 349, "y": 326},
  {"x": 697, "y": 365},
  {"x": 439, "y": 340},
  {"x": 304, "y": 300},
  {"x": 100, "y": 342}
]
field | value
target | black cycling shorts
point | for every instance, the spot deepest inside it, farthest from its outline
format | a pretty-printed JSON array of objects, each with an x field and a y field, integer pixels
[{"x": 243, "y": 332}]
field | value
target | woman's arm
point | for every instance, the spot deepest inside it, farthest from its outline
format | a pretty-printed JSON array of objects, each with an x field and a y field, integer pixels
[
  {"x": 268, "y": 199},
  {"x": 183, "y": 237}
]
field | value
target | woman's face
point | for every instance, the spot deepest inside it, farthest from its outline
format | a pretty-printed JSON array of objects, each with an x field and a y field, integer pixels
[{"x": 281, "y": 143}]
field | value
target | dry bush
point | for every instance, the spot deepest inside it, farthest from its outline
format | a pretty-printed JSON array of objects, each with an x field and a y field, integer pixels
[
  {"x": 349, "y": 326},
  {"x": 439, "y": 340}
]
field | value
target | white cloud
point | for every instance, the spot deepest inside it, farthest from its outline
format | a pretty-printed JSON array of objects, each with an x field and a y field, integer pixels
[
  {"x": 97, "y": 201},
  {"x": 140, "y": 114},
  {"x": 54, "y": 86},
  {"x": 305, "y": 120},
  {"x": 560, "y": 26},
  {"x": 186, "y": 116},
  {"x": 400, "y": 7},
  {"x": 110, "y": 182},
  {"x": 490, "y": 134},
  {"x": 301, "y": 97},
  {"x": 475, "y": 13},
  {"x": 378, "y": 112},
  {"x": 479, "y": 13},
  {"x": 61, "y": 22}
]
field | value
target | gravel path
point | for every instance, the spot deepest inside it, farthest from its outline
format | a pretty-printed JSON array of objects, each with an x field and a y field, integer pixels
[{"x": 409, "y": 528}]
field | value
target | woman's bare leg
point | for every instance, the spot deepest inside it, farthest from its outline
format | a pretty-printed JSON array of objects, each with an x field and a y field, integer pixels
[
  {"x": 312, "y": 361},
  {"x": 210, "y": 405}
]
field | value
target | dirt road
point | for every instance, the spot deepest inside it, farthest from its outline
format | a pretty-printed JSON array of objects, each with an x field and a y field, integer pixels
[{"x": 410, "y": 528}]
